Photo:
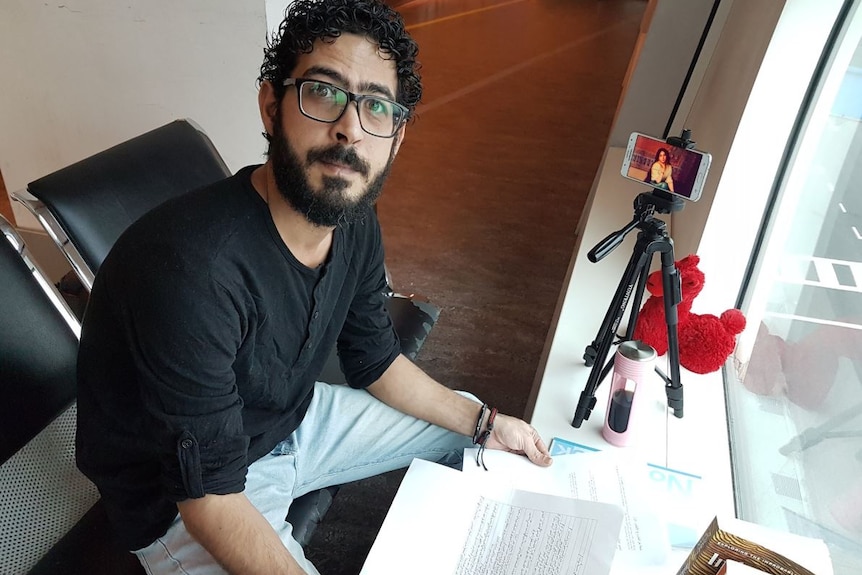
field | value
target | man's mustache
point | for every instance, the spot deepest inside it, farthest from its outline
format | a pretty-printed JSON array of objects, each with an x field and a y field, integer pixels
[{"x": 339, "y": 155}]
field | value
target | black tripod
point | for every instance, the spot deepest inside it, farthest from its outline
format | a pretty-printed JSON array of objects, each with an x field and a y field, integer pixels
[{"x": 652, "y": 238}]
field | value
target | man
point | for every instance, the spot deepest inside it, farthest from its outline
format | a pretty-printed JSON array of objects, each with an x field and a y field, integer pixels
[{"x": 199, "y": 416}]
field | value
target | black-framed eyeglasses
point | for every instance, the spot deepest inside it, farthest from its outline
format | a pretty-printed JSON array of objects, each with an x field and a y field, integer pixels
[{"x": 325, "y": 102}]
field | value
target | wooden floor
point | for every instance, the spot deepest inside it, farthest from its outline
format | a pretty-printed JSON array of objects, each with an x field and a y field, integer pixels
[{"x": 480, "y": 211}]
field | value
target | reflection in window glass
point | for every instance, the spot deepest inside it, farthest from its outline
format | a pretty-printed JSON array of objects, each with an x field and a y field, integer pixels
[{"x": 797, "y": 413}]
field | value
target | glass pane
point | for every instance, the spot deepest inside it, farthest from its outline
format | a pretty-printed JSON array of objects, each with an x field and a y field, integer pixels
[{"x": 797, "y": 411}]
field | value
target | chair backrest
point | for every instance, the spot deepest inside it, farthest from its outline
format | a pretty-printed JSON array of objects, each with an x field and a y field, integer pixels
[
  {"x": 42, "y": 494},
  {"x": 93, "y": 201},
  {"x": 39, "y": 348}
]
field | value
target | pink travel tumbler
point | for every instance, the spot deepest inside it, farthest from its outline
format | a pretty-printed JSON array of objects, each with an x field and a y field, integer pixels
[{"x": 633, "y": 362}]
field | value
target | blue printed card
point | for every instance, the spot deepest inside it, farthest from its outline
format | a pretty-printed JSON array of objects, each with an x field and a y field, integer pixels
[
  {"x": 681, "y": 492},
  {"x": 563, "y": 447}
]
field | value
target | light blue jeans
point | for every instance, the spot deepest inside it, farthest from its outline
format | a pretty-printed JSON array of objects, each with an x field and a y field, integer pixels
[{"x": 346, "y": 435}]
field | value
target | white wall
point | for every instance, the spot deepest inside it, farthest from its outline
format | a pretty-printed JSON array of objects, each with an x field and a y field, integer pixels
[
  {"x": 718, "y": 104},
  {"x": 750, "y": 131},
  {"x": 669, "y": 37},
  {"x": 80, "y": 76},
  {"x": 275, "y": 13},
  {"x": 663, "y": 59}
]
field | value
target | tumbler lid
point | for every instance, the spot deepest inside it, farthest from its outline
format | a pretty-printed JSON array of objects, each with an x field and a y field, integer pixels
[{"x": 636, "y": 350}]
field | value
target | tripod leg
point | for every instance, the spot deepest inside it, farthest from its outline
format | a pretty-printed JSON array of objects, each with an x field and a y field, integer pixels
[
  {"x": 615, "y": 311},
  {"x": 597, "y": 352},
  {"x": 638, "y": 298},
  {"x": 671, "y": 285}
]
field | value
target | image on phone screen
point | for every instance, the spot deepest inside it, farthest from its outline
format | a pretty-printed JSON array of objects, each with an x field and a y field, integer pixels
[{"x": 656, "y": 163}]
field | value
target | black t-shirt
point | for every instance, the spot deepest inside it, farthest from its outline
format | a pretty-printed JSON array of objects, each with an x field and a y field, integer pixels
[{"x": 201, "y": 343}]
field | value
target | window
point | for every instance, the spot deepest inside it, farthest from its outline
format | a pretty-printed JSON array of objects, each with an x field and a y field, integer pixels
[{"x": 796, "y": 405}]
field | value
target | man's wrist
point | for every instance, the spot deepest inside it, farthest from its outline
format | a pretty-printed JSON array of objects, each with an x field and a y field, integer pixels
[{"x": 484, "y": 425}]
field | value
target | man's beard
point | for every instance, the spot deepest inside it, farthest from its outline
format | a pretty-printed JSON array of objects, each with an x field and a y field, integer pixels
[{"x": 328, "y": 206}]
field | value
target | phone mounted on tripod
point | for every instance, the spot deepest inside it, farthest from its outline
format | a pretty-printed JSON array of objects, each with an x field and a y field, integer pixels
[{"x": 652, "y": 237}]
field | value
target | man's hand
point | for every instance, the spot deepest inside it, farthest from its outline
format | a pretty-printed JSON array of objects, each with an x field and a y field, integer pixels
[{"x": 517, "y": 436}]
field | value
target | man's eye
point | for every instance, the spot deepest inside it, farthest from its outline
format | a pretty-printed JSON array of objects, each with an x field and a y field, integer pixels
[
  {"x": 378, "y": 107},
  {"x": 322, "y": 91}
]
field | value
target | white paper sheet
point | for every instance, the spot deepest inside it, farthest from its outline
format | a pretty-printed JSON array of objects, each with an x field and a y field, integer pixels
[
  {"x": 595, "y": 477},
  {"x": 684, "y": 500},
  {"x": 444, "y": 522}
]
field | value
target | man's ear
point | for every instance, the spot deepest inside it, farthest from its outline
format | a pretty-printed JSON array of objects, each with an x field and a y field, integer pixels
[
  {"x": 268, "y": 105},
  {"x": 399, "y": 139}
]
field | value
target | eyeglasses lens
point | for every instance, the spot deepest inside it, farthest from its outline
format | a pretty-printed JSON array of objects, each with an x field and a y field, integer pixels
[{"x": 326, "y": 102}]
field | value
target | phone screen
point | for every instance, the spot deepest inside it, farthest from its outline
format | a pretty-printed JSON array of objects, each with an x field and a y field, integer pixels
[{"x": 658, "y": 164}]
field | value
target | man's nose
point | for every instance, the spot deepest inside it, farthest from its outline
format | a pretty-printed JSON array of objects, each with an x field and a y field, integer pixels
[{"x": 348, "y": 129}]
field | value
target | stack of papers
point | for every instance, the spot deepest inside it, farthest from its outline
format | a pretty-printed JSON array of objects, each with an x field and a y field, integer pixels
[
  {"x": 684, "y": 500},
  {"x": 444, "y": 521},
  {"x": 602, "y": 477}
]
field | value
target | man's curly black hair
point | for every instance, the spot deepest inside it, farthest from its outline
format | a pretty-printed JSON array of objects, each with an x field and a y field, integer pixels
[{"x": 310, "y": 20}]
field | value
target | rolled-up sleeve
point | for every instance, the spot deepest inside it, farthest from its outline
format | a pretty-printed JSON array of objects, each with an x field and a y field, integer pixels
[
  {"x": 183, "y": 330},
  {"x": 368, "y": 343}
]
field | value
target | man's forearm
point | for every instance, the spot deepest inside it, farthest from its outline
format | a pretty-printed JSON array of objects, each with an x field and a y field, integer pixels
[
  {"x": 237, "y": 535},
  {"x": 410, "y": 390}
]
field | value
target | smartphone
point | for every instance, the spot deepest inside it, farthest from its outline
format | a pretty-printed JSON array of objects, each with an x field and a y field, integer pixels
[{"x": 654, "y": 162}]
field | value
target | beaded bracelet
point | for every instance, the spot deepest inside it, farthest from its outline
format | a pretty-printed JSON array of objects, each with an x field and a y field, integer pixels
[{"x": 483, "y": 439}]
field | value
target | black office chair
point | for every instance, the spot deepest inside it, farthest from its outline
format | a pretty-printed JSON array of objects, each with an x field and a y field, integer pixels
[
  {"x": 86, "y": 206},
  {"x": 50, "y": 517}
]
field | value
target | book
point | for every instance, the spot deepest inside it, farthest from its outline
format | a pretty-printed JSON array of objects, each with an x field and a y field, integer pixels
[
  {"x": 729, "y": 540},
  {"x": 737, "y": 568}
]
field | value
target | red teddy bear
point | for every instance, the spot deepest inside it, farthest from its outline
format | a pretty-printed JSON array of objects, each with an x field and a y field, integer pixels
[{"x": 705, "y": 341}]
